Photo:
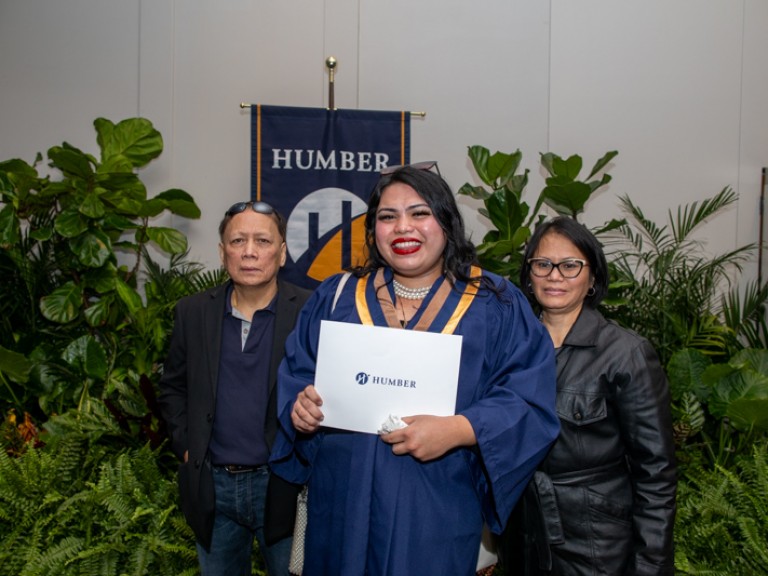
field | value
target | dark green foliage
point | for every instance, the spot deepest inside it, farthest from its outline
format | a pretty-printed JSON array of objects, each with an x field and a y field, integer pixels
[
  {"x": 720, "y": 409},
  {"x": 722, "y": 519},
  {"x": 671, "y": 288},
  {"x": 77, "y": 507},
  {"x": 511, "y": 219},
  {"x": 86, "y": 312},
  {"x": 85, "y": 318}
]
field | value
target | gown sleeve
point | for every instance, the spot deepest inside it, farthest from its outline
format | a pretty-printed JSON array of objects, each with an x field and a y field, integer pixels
[
  {"x": 292, "y": 453},
  {"x": 513, "y": 410}
]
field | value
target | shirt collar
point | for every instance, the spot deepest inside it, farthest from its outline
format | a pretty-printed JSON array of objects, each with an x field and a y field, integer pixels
[{"x": 271, "y": 307}]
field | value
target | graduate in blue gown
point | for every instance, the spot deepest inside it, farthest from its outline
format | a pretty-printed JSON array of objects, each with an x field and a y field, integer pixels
[{"x": 413, "y": 501}]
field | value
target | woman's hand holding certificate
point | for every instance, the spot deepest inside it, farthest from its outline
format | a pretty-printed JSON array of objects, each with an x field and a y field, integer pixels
[
  {"x": 306, "y": 415},
  {"x": 429, "y": 437}
]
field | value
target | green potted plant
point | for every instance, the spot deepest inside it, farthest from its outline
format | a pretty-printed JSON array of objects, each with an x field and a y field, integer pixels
[
  {"x": 76, "y": 323},
  {"x": 511, "y": 218}
]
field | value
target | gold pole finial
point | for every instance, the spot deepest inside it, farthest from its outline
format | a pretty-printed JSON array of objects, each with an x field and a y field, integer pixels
[{"x": 330, "y": 63}]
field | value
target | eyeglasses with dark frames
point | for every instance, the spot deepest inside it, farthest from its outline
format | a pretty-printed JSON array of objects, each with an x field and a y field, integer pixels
[
  {"x": 570, "y": 268},
  {"x": 426, "y": 165},
  {"x": 256, "y": 206}
]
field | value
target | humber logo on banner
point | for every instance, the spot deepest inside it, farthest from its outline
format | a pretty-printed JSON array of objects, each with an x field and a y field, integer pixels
[{"x": 318, "y": 167}]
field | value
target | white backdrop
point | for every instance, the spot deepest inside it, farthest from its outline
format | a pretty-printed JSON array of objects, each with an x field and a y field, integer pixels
[{"x": 678, "y": 87}]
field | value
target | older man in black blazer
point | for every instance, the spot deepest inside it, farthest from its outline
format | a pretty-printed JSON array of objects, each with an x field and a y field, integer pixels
[{"x": 218, "y": 398}]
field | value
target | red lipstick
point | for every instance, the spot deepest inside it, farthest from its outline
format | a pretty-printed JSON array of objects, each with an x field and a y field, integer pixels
[{"x": 403, "y": 246}]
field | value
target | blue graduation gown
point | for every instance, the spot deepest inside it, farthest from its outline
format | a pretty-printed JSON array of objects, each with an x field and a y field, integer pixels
[{"x": 373, "y": 513}]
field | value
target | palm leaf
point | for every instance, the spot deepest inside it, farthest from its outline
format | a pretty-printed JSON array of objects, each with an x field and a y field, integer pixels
[{"x": 693, "y": 215}]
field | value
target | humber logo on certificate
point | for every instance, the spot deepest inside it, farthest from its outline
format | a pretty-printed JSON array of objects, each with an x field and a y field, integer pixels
[
  {"x": 363, "y": 378},
  {"x": 362, "y": 400}
]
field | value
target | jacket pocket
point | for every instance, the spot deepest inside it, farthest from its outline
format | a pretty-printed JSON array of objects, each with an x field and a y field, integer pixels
[
  {"x": 610, "y": 524},
  {"x": 579, "y": 408}
]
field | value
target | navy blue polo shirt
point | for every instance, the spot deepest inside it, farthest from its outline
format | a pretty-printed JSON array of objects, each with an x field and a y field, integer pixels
[{"x": 242, "y": 393}]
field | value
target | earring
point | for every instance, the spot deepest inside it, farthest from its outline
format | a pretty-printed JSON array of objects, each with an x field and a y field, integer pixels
[
  {"x": 530, "y": 288},
  {"x": 591, "y": 292}
]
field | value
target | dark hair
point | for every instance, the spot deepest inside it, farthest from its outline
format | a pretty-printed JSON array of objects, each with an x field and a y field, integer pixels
[
  {"x": 585, "y": 241},
  {"x": 259, "y": 208},
  {"x": 458, "y": 254}
]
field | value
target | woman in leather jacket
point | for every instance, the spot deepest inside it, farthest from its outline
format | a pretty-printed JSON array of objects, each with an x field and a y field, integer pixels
[{"x": 603, "y": 500}]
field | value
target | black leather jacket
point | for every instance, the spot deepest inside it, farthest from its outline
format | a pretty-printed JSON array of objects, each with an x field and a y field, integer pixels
[{"x": 604, "y": 497}]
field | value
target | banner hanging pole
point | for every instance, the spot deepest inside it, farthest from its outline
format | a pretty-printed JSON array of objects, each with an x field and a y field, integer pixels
[
  {"x": 420, "y": 114},
  {"x": 331, "y": 64}
]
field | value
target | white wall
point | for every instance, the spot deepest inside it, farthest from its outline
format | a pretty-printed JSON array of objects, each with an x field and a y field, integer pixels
[{"x": 678, "y": 87}]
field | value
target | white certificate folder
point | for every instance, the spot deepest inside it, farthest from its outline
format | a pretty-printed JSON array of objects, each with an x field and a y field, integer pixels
[{"x": 367, "y": 373}]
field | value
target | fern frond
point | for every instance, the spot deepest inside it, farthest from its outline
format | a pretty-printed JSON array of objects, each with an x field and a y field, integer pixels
[
  {"x": 55, "y": 558},
  {"x": 722, "y": 522}
]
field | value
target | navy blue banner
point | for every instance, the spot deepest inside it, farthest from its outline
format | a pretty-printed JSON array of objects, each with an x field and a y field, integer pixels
[{"x": 318, "y": 167}]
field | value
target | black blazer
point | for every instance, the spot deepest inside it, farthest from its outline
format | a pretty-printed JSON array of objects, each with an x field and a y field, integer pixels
[{"x": 188, "y": 401}]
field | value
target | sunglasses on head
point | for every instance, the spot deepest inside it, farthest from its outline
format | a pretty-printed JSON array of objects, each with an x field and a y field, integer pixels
[
  {"x": 257, "y": 206},
  {"x": 427, "y": 165}
]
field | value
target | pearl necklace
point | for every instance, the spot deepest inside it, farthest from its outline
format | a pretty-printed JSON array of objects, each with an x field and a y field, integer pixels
[{"x": 410, "y": 293}]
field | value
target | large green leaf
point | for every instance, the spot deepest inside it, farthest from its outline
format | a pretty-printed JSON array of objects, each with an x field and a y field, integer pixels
[
  {"x": 63, "y": 304},
  {"x": 17, "y": 167},
  {"x": 499, "y": 249},
  {"x": 126, "y": 183},
  {"x": 757, "y": 359},
  {"x": 153, "y": 207},
  {"x": 118, "y": 222},
  {"x": 70, "y": 223},
  {"x": 9, "y": 226},
  {"x": 127, "y": 201},
  {"x": 741, "y": 394},
  {"x": 134, "y": 138},
  {"x": 505, "y": 211},
  {"x": 497, "y": 212},
  {"x": 71, "y": 161},
  {"x": 41, "y": 234},
  {"x": 129, "y": 296},
  {"x": 101, "y": 279},
  {"x": 567, "y": 170},
  {"x": 169, "y": 240},
  {"x": 97, "y": 312},
  {"x": 740, "y": 384},
  {"x": 570, "y": 167},
  {"x": 517, "y": 183},
  {"x": 602, "y": 163},
  {"x": 47, "y": 379},
  {"x": 565, "y": 197},
  {"x": 595, "y": 184},
  {"x": 476, "y": 192},
  {"x": 749, "y": 413},
  {"x": 520, "y": 237},
  {"x": 14, "y": 365},
  {"x": 502, "y": 166},
  {"x": 49, "y": 371},
  {"x": 92, "y": 248},
  {"x": 112, "y": 169},
  {"x": 6, "y": 186},
  {"x": 18, "y": 180},
  {"x": 180, "y": 203},
  {"x": 685, "y": 370},
  {"x": 479, "y": 156},
  {"x": 87, "y": 354},
  {"x": 92, "y": 206}
]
